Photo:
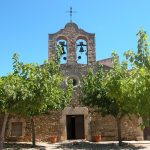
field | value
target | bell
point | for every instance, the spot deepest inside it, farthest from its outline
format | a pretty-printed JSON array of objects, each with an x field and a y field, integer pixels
[
  {"x": 81, "y": 49},
  {"x": 63, "y": 51}
]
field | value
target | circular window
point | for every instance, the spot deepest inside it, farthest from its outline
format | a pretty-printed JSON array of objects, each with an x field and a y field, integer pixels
[{"x": 75, "y": 81}]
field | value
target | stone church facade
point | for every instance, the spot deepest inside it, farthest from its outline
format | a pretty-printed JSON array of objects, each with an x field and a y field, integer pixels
[{"x": 74, "y": 121}]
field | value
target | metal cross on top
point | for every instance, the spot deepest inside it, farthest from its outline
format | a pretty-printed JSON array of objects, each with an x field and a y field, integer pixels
[{"x": 70, "y": 13}]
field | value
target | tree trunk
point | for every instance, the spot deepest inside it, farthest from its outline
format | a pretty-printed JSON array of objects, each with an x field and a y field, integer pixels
[
  {"x": 2, "y": 136},
  {"x": 118, "y": 119},
  {"x": 33, "y": 131}
]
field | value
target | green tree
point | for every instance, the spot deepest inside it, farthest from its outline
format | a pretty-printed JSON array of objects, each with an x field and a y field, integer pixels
[
  {"x": 2, "y": 110},
  {"x": 107, "y": 91},
  {"x": 119, "y": 81},
  {"x": 9, "y": 89},
  {"x": 33, "y": 89},
  {"x": 140, "y": 63},
  {"x": 41, "y": 90},
  {"x": 142, "y": 57}
]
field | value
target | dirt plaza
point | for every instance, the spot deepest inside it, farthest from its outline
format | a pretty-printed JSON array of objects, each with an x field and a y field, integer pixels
[{"x": 80, "y": 145}]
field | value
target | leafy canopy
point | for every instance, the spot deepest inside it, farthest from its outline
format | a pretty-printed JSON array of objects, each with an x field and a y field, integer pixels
[{"x": 39, "y": 88}]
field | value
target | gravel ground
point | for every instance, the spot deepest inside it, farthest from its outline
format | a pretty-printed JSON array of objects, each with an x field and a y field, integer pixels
[{"x": 80, "y": 145}]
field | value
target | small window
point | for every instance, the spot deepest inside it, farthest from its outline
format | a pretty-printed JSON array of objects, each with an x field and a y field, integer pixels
[{"x": 16, "y": 129}]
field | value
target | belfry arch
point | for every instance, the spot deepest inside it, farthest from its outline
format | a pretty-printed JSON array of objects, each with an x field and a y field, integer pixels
[
  {"x": 63, "y": 43},
  {"x": 81, "y": 51}
]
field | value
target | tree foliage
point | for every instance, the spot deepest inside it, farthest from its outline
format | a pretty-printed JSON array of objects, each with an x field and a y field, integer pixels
[
  {"x": 41, "y": 88},
  {"x": 9, "y": 90},
  {"x": 94, "y": 92},
  {"x": 140, "y": 62},
  {"x": 34, "y": 89},
  {"x": 108, "y": 91},
  {"x": 122, "y": 91},
  {"x": 142, "y": 57}
]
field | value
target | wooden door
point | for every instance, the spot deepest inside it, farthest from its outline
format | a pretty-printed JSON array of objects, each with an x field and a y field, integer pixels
[
  {"x": 79, "y": 127},
  {"x": 70, "y": 127},
  {"x": 147, "y": 132},
  {"x": 75, "y": 127}
]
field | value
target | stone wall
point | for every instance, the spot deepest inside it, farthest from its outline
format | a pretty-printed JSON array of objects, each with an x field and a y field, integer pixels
[
  {"x": 108, "y": 62},
  {"x": 107, "y": 127},
  {"x": 45, "y": 126},
  {"x": 54, "y": 124},
  {"x": 48, "y": 125}
]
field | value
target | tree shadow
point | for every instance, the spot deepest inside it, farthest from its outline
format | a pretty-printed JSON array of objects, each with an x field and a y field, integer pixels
[
  {"x": 20, "y": 146},
  {"x": 97, "y": 146}
]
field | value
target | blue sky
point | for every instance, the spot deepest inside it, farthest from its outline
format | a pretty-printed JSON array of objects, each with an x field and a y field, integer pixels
[{"x": 25, "y": 24}]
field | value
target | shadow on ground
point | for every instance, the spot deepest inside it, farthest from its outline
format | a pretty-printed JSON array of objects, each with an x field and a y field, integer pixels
[
  {"x": 20, "y": 146},
  {"x": 97, "y": 146}
]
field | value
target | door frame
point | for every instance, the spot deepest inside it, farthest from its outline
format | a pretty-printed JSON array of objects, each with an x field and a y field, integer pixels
[{"x": 75, "y": 111}]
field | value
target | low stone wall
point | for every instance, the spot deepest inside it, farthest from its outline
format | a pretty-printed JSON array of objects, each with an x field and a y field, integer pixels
[
  {"x": 107, "y": 127},
  {"x": 48, "y": 125},
  {"x": 45, "y": 126}
]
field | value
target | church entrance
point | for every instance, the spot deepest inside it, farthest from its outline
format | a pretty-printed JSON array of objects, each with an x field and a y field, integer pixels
[{"x": 75, "y": 127}]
